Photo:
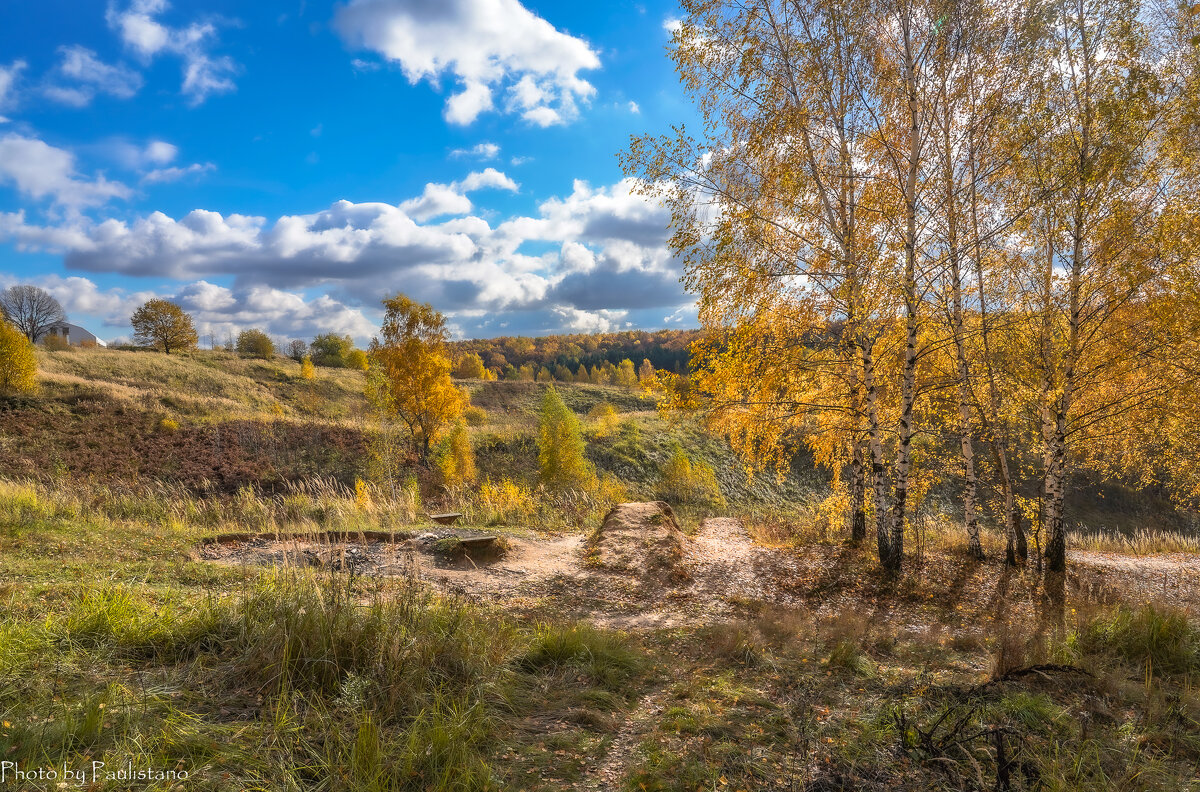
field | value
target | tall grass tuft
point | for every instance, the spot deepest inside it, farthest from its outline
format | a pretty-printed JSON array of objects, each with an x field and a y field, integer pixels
[{"x": 1162, "y": 640}]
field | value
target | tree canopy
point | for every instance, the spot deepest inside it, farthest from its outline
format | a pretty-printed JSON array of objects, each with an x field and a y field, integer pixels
[{"x": 163, "y": 325}]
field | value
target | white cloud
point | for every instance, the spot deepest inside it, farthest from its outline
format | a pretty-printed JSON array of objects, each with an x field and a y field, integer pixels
[
  {"x": 486, "y": 46},
  {"x": 87, "y": 76},
  {"x": 577, "y": 321},
  {"x": 437, "y": 200},
  {"x": 217, "y": 310},
  {"x": 166, "y": 175},
  {"x": 203, "y": 74},
  {"x": 587, "y": 260},
  {"x": 485, "y": 179},
  {"x": 8, "y": 80},
  {"x": 152, "y": 159},
  {"x": 451, "y": 199},
  {"x": 633, "y": 108},
  {"x": 483, "y": 151},
  {"x": 43, "y": 171},
  {"x": 160, "y": 152}
]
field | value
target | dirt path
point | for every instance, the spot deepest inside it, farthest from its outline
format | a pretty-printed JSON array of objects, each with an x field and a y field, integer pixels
[
  {"x": 645, "y": 574},
  {"x": 722, "y": 559},
  {"x": 607, "y": 776}
]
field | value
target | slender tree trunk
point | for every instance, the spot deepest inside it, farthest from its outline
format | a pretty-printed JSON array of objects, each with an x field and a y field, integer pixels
[
  {"x": 1016, "y": 550},
  {"x": 963, "y": 370},
  {"x": 875, "y": 443},
  {"x": 858, "y": 494},
  {"x": 908, "y": 388}
]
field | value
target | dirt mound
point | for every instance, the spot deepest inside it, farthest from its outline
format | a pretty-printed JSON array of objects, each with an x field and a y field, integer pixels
[{"x": 641, "y": 539}]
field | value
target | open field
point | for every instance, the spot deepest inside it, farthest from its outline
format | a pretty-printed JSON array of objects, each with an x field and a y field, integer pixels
[{"x": 333, "y": 639}]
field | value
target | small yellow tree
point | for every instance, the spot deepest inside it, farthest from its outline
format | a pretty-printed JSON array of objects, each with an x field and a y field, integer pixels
[
  {"x": 307, "y": 370},
  {"x": 457, "y": 461},
  {"x": 18, "y": 362},
  {"x": 409, "y": 375},
  {"x": 626, "y": 375},
  {"x": 163, "y": 325},
  {"x": 561, "y": 445},
  {"x": 646, "y": 373}
]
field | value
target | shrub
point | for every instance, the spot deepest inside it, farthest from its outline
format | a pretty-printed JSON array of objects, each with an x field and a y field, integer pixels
[
  {"x": 255, "y": 344},
  {"x": 357, "y": 360},
  {"x": 505, "y": 501},
  {"x": 330, "y": 350},
  {"x": 297, "y": 350},
  {"x": 56, "y": 343},
  {"x": 475, "y": 416},
  {"x": 560, "y": 446},
  {"x": 605, "y": 418},
  {"x": 306, "y": 368},
  {"x": 687, "y": 482},
  {"x": 18, "y": 362},
  {"x": 168, "y": 425},
  {"x": 457, "y": 460}
]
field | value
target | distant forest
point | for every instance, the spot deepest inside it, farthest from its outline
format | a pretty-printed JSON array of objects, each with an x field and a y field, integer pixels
[{"x": 665, "y": 349}]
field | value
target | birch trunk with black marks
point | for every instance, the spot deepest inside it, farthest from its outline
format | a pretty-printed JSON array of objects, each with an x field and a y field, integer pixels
[
  {"x": 908, "y": 389},
  {"x": 875, "y": 444}
]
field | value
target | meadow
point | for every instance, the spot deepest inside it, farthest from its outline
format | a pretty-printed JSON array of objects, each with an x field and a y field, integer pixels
[{"x": 121, "y": 643}]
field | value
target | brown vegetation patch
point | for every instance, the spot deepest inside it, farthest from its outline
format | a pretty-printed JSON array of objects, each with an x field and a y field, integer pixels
[{"x": 92, "y": 435}]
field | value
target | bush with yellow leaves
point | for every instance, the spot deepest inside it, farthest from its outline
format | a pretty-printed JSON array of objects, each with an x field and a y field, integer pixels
[{"x": 18, "y": 362}]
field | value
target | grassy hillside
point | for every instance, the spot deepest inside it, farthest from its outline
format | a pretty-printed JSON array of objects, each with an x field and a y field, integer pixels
[{"x": 788, "y": 661}]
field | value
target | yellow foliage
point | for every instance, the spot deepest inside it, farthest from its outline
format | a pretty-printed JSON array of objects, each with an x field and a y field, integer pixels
[
  {"x": 307, "y": 370},
  {"x": 560, "y": 446},
  {"x": 457, "y": 460},
  {"x": 18, "y": 362},
  {"x": 410, "y": 372},
  {"x": 687, "y": 482},
  {"x": 362, "y": 495},
  {"x": 506, "y": 500},
  {"x": 626, "y": 375},
  {"x": 605, "y": 418},
  {"x": 168, "y": 425}
]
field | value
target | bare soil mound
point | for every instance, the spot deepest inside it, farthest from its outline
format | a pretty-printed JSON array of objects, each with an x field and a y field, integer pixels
[{"x": 641, "y": 539}]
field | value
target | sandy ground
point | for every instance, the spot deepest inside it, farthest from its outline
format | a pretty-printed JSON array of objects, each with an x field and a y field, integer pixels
[{"x": 643, "y": 573}]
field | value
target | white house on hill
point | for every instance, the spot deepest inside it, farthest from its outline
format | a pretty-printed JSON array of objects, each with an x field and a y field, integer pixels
[{"x": 73, "y": 334}]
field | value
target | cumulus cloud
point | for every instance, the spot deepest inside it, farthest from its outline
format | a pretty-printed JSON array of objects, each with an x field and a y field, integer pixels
[
  {"x": 203, "y": 73},
  {"x": 217, "y": 310},
  {"x": 584, "y": 261},
  {"x": 577, "y": 321},
  {"x": 451, "y": 199},
  {"x": 80, "y": 75},
  {"x": 498, "y": 52},
  {"x": 40, "y": 170}
]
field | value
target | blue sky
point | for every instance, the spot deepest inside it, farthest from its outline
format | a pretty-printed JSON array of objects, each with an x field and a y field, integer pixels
[{"x": 286, "y": 165}]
